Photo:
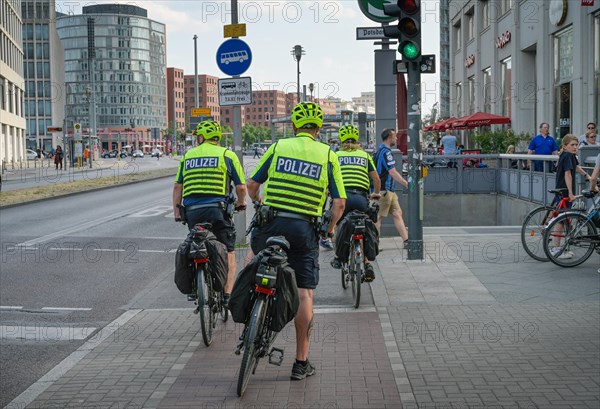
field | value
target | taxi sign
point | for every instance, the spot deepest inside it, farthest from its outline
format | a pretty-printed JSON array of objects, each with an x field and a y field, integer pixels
[
  {"x": 234, "y": 30},
  {"x": 201, "y": 112}
]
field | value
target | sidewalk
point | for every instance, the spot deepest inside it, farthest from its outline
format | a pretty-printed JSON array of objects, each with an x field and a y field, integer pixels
[{"x": 472, "y": 326}]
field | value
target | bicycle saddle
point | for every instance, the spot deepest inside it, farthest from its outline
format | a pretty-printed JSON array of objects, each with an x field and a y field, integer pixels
[
  {"x": 205, "y": 226},
  {"x": 279, "y": 241},
  {"x": 560, "y": 191}
]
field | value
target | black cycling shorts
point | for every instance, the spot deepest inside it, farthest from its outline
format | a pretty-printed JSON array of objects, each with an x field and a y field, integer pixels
[
  {"x": 222, "y": 227},
  {"x": 303, "y": 255}
]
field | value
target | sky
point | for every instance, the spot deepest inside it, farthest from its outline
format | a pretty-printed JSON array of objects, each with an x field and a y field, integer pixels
[{"x": 335, "y": 62}]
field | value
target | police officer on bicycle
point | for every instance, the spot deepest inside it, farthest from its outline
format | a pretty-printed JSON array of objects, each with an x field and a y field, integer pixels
[
  {"x": 204, "y": 182},
  {"x": 297, "y": 173},
  {"x": 358, "y": 170}
]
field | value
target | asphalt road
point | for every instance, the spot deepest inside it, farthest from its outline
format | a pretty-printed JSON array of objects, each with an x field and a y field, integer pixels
[{"x": 72, "y": 265}]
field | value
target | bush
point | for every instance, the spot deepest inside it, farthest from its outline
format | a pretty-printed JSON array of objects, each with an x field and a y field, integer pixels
[{"x": 499, "y": 140}]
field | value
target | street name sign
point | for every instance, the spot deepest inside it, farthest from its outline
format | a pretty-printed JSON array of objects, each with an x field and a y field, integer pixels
[
  {"x": 235, "y": 91},
  {"x": 369, "y": 33},
  {"x": 201, "y": 112}
]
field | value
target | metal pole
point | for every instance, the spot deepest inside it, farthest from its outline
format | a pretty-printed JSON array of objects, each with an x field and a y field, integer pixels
[
  {"x": 92, "y": 106},
  {"x": 240, "y": 219},
  {"x": 415, "y": 184},
  {"x": 174, "y": 117},
  {"x": 298, "y": 61},
  {"x": 197, "y": 97}
]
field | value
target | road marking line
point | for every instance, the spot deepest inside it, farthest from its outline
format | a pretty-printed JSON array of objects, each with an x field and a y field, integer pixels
[
  {"x": 334, "y": 310},
  {"x": 44, "y": 333},
  {"x": 67, "y": 308},
  {"x": 11, "y": 307},
  {"x": 31, "y": 393}
]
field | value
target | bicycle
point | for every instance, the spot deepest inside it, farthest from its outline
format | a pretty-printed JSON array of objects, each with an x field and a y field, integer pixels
[
  {"x": 577, "y": 239},
  {"x": 257, "y": 338},
  {"x": 353, "y": 270},
  {"x": 209, "y": 302},
  {"x": 534, "y": 225}
]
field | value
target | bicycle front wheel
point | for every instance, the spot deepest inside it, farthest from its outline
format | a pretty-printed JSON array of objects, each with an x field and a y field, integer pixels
[
  {"x": 532, "y": 232},
  {"x": 569, "y": 239},
  {"x": 356, "y": 272},
  {"x": 204, "y": 307},
  {"x": 251, "y": 344}
]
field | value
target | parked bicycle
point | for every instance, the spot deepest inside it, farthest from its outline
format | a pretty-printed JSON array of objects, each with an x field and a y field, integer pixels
[
  {"x": 535, "y": 224},
  {"x": 257, "y": 338},
  {"x": 209, "y": 302},
  {"x": 571, "y": 237}
]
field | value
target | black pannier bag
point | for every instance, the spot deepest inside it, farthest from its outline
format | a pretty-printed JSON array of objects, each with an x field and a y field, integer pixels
[
  {"x": 343, "y": 235},
  {"x": 371, "y": 240},
  {"x": 218, "y": 263},
  {"x": 285, "y": 301},
  {"x": 184, "y": 273}
]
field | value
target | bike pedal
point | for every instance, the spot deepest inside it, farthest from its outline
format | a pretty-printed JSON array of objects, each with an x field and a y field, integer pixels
[
  {"x": 238, "y": 349},
  {"x": 191, "y": 297},
  {"x": 197, "y": 310},
  {"x": 278, "y": 360}
]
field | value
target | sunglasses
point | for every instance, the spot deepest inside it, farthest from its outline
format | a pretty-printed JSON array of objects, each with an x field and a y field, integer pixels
[{"x": 591, "y": 127}]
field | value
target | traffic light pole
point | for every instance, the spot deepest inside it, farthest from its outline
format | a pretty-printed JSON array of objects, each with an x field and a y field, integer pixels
[{"x": 415, "y": 183}]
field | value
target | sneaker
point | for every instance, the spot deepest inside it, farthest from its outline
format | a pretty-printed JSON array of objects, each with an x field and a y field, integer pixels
[
  {"x": 369, "y": 273},
  {"x": 300, "y": 371},
  {"x": 565, "y": 255},
  {"x": 326, "y": 244},
  {"x": 191, "y": 297},
  {"x": 336, "y": 263}
]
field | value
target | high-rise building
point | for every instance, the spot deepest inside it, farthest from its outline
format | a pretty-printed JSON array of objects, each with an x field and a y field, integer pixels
[
  {"x": 265, "y": 104},
  {"x": 208, "y": 94},
  {"x": 43, "y": 70},
  {"x": 129, "y": 72},
  {"x": 12, "y": 118}
]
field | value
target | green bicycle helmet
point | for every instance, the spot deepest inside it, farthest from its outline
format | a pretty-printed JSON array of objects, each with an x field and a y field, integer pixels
[
  {"x": 210, "y": 130},
  {"x": 306, "y": 113},
  {"x": 348, "y": 132}
]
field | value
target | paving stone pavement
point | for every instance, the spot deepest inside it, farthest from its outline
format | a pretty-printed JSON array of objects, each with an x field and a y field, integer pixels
[{"x": 458, "y": 330}]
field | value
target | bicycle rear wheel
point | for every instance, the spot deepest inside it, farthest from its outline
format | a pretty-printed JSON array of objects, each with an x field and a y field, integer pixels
[
  {"x": 532, "y": 232},
  {"x": 204, "y": 307},
  {"x": 569, "y": 239},
  {"x": 356, "y": 271},
  {"x": 251, "y": 344}
]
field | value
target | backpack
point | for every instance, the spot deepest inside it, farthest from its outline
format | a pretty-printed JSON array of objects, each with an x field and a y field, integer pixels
[
  {"x": 344, "y": 234},
  {"x": 184, "y": 270}
]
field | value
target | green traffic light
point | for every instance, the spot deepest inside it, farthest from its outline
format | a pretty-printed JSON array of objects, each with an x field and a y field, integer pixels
[{"x": 409, "y": 50}]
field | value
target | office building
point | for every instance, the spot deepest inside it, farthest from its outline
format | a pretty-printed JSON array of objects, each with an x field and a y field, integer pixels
[
  {"x": 43, "y": 70},
  {"x": 129, "y": 73},
  {"x": 175, "y": 100},
  {"x": 531, "y": 60},
  {"x": 12, "y": 118}
]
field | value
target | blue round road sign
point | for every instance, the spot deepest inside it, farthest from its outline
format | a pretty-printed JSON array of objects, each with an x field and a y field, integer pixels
[{"x": 234, "y": 57}]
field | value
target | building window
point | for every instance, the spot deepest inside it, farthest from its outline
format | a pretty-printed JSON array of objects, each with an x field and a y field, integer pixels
[
  {"x": 485, "y": 14},
  {"x": 470, "y": 25},
  {"x": 471, "y": 83},
  {"x": 563, "y": 55},
  {"x": 487, "y": 90},
  {"x": 2, "y": 93},
  {"x": 459, "y": 99},
  {"x": 506, "y": 73},
  {"x": 505, "y": 6},
  {"x": 457, "y": 36}
]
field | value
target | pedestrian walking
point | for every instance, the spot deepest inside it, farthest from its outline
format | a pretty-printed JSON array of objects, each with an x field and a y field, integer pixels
[{"x": 58, "y": 157}]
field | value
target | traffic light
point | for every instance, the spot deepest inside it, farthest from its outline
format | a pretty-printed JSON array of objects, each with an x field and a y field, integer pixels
[{"x": 408, "y": 30}]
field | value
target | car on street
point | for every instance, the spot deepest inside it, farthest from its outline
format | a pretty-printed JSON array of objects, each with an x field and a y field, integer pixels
[
  {"x": 137, "y": 154},
  {"x": 31, "y": 154},
  {"x": 156, "y": 153},
  {"x": 114, "y": 153}
]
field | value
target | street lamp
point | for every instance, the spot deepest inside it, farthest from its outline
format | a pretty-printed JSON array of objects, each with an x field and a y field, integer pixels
[
  {"x": 311, "y": 88},
  {"x": 298, "y": 52}
]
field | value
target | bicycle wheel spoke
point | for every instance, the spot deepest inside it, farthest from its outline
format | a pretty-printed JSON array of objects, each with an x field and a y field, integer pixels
[{"x": 570, "y": 239}]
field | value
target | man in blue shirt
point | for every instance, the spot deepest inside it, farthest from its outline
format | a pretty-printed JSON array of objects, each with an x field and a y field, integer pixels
[
  {"x": 542, "y": 144},
  {"x": 386, "y": 168}
]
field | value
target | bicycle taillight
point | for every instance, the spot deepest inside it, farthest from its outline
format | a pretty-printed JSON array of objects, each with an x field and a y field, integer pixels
[
  {"x": 263, "y": 290},
  {"x": 200, "y": 260},
  {"x": 357, "y": 237}
]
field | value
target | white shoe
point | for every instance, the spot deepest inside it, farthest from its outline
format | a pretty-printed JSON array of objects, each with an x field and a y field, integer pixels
[{"x": 565, "y": 255}]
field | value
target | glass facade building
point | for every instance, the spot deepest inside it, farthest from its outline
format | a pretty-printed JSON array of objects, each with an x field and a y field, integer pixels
[
  {"x": 129, "y": 67},
  {"x": 43, "y": 72}
]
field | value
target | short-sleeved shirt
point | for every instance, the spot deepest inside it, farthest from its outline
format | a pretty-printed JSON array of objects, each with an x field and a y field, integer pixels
[
  {"x": 234, "y": 171},
  {"x": 566, "y": 162},
  {"x": 449, "y": 143},
  {"x": 542, "y": 146},
  {"x": 598, "y": 161},
  {"x": 385, "y": 162}
]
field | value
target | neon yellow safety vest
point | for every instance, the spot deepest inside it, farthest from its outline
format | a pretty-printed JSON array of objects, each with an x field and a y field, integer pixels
[
  {"x": 355, "y": 169},
  {"x": 205, "y": 171},
  {"x": 298, "y": 176}
]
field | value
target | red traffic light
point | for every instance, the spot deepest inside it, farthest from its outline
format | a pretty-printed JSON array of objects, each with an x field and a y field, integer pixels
[{"x": 409, "y": 6}]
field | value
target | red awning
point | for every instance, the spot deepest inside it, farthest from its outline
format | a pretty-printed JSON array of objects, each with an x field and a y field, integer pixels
[
  {"x": 443, "y": 125},
  {"x": 479, "y": 119}
]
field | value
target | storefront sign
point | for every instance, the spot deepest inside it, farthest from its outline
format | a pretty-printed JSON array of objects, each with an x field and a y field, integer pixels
[
  {"x": 503, "y": 40},
  {"x": 470, "y": 60},
  {"x": 587, "y": 2}
]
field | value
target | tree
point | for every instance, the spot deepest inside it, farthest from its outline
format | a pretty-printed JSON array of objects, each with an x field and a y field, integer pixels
[{"x": 497, "y": 141}]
